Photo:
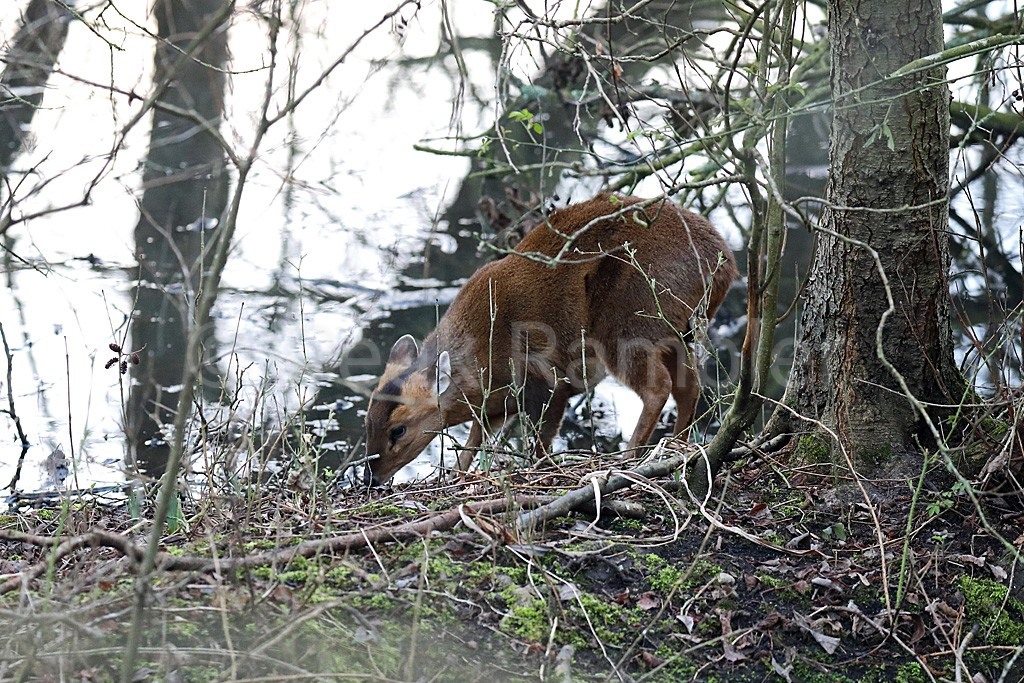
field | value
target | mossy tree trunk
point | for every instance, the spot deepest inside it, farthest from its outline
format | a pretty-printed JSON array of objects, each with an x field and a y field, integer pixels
[{"x": 888, "y": 188}]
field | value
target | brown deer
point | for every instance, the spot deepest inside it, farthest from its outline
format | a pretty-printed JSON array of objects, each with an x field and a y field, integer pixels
[{"x": 609, "y": 285}]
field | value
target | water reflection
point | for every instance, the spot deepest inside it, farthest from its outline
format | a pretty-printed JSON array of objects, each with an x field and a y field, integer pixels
[
  {"x": 185, "y": 188},
  {"x": 29, "y": 62}
]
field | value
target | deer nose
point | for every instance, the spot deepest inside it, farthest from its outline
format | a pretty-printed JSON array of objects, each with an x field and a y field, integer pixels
[{"x": 370, "y": 479}]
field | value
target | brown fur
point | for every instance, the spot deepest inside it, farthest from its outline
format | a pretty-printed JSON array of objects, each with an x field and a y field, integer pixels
[{"x": 531, "y": 357}]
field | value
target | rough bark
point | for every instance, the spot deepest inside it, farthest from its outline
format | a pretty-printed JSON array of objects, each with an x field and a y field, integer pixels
[{"x": 887, "y": 188}]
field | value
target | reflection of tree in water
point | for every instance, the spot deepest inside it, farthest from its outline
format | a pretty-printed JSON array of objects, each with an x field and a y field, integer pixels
[
  {"x": 184, "y": 196},
  {"x": 29, "y": 62}
]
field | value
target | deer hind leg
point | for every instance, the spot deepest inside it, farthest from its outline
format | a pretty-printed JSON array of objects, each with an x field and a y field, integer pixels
[
  {"x": 645, "y": 371},
  {"x": 685, "y": 388}
]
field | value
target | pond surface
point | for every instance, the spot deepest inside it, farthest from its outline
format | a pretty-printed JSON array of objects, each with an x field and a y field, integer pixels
[{"x": 348, "y": 237}]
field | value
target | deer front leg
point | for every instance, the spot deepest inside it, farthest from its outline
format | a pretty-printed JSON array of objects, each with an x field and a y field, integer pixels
[{"x": 476, "y": 439}]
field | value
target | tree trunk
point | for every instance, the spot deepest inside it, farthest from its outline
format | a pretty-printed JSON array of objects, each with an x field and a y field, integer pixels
[{"x": 888, "y": 187}]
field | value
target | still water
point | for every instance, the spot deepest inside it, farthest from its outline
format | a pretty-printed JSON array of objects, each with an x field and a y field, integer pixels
[{"x": 348, "y": 236}]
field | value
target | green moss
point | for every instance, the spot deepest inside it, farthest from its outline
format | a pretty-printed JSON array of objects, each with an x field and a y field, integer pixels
[
  {"x": 651, "y": 561},
  {"x": 606, "y": 618},
  {"x": 442, "y": 570},
  {"x": 341, "y": 575},
  {"x": 665, "y": 577},
  {"x": 261, "y": 544},
  {"x": 769, "y": 581},
  {"x": 874, "y": 457},
  {"x": 516, "y": 574},
  {"x": 204, "y": 673},
  {"x": 1001, "y": 617},
  {"x": 813, "y": 449},
  {"x": 262, "y": 573},
  {"x": 294, "y": 576},
  {"x": 415, "y": 552},
  {"x": 806, "y": 673},
  {"x": 201, "y": 548},
  {"x": 529, "y": 622},
  {"x": 300, "y": 570},
  {"x": 994, "y": 427},
  {"x": 386, "y": 510},
  {"x": 628, "y": 525},
  {"x": 185, "y": 629},
  {"x": 300, "y": 562},
  {"x": 676, "y": 667},
  {"x": 911, "y": 672},
  {"x": 378, "y": 600}
]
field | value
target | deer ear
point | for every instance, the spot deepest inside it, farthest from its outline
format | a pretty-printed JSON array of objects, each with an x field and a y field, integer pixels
[
  {"x": 444, "y": 372},
  {"x": 404, "y": 352}
]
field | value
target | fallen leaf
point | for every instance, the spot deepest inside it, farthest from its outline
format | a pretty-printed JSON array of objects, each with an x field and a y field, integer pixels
[
  {"x": 822, "y": 582},
  {"x": 687, "y": 621},
  {"x": 568, "y": 591},
  {"x": 828, "y": 643},
  {"x": 771, "y": 621},
  {"x": 651, "y": 661},
  {"x": 725, "y": 579},
  {"x": 800, "y": 541},
  {"x": 728, "y": 648},
  {"x": 919, "y": 629},
  {"x": 363, "y": 636},
  {"x": 648, "y": 601},
  {"x": 968, "y": 559},
  {"x": 782, "y": 671}
]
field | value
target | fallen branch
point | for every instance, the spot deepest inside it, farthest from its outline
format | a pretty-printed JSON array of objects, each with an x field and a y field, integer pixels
[
  {"x": 64, "y": 547},
  {"x": 356, "y": 539},
  {"x": 601, "y": 485},
  {"x": 168, "y": 562}
]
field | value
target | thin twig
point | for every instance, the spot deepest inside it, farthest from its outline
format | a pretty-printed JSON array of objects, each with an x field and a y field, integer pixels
[{"x": 12, "y": 412}]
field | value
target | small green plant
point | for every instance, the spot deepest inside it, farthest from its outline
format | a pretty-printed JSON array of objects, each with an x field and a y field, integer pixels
[
  {"x": 945, "y": 500},
  {"x": 835, "y": 533},
  {"x": 526, "y": 117},
  {"x": 175, "y": 519},
  {"x": 882, "y": 131}
]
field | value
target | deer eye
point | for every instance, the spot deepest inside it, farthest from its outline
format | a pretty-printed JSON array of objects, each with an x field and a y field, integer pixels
[{"x": 397, "y": 433}]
